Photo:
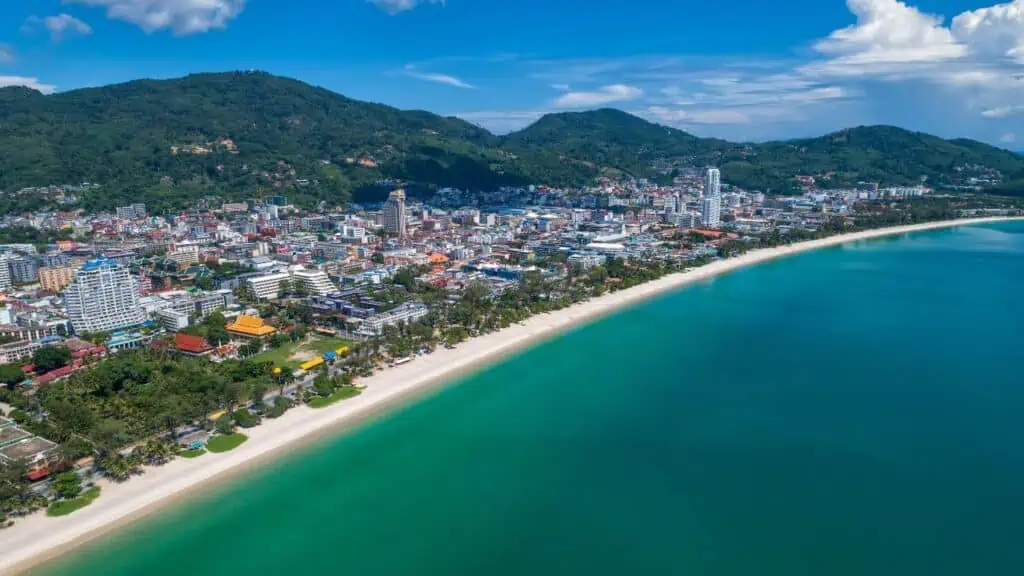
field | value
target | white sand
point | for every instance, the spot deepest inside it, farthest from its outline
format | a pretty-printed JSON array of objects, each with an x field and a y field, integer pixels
[{"x": 37, "y": 538}]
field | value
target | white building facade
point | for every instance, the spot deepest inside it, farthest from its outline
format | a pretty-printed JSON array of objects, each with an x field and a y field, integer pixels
[
  {"x": 409, "y": 312},
  {"x": 314, "y": 282},
  {"x": 103, "y": 297},
  {"x": 713, "y": 182},
  {"x": 267, "y": 287},
  {"x": 711, "y": 212}
]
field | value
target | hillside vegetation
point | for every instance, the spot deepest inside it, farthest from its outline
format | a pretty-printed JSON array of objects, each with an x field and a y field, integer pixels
[{"x": 236, "y": 135}]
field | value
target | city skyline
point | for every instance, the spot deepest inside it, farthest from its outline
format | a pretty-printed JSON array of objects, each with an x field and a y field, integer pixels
[{"x": 950, "y": 67}]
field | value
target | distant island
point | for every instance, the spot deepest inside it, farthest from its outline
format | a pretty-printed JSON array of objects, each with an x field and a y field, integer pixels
[{"x": 234, "y": 135}]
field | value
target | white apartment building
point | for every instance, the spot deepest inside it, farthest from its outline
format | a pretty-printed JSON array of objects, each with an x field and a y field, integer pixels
[
  {"x": 409, "y": 312},
  {"x": 5, "y": 274},
  {"x": 355, "y": 233},
  {"x": 267, "y": 287},
  {"x": 18, "y": 350},
  {"x": 173, "y": 320},
  {"x": 103, "y": 297},
  {"x": 712, "y": 183},
  {"x": 314, "y": 282},
  {"x": 711, "y": 212}
]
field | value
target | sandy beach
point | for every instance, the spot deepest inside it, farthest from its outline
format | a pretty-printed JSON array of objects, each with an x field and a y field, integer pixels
[{"x": 37, "y": 538}]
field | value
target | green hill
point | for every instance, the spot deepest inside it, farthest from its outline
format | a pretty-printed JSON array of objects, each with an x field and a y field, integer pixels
[
  {"x": 130, "y": 137},
  {"x": 169, "y": 142}
]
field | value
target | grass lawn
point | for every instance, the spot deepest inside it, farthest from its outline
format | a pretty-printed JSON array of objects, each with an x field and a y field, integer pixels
[
  {"x": 193, "y": 453},
  {"x": 223, "y": 443},
  {"x": 323, "y": 345},
  {"x": 282, "y": 357},
  {"x": 340, "y": 394},
  {"x": 65, "y": 507}
]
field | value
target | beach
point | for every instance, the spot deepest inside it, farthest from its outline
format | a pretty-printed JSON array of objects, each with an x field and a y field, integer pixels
[{"x": 37, "y": 538}]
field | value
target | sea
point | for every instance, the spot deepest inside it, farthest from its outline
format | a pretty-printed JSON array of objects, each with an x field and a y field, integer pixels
[{"x": 853, "y": 411}]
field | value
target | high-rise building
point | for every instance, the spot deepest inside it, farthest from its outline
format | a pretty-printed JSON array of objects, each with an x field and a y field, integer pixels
[
  {"x": 5, "y": 274},
  {"x": 394, "y": 213},
  {"x": 103, "y": 297},
  {"x": 712, "y": 183},
  {"x": 22, "y": 269},
  {"x": 314, "y": 282},
  {"x": 711, "y": 211}
]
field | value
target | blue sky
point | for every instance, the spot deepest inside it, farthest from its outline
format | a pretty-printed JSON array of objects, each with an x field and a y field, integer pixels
[{"x": 738, "y": 69}]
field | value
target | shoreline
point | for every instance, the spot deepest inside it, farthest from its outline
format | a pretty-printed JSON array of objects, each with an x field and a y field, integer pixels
[{"x": 36, "y": 539}]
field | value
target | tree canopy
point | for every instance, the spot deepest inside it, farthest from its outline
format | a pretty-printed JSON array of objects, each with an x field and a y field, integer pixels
[{"x": 170, "y": 142}]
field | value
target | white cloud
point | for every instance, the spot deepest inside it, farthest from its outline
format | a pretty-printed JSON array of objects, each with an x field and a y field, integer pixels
[
  {"x": 1002, "y": 111},
  {"x": 446, "y": 79},
  {"x": 888, "y": 32},
  {"x": 6, "y": 54},
  {"x": 180, "y": 16},
  {"x": 600, "y": 97},
  {"x": 27, "y": 82},
  {"x": 59, "y": 26},
  {"x": 1008, "y": 138},
  {"x": 676, "y": 116},
  {"x": 997, "y": 30},
  {"x": 396, "y": 6},
  {"x": 561, "y": 87}
]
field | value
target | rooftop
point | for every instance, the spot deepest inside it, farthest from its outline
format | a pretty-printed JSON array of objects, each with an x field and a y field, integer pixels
[
  {"x": 250, "y": 326},
  {"x": 191, "y": 344}
]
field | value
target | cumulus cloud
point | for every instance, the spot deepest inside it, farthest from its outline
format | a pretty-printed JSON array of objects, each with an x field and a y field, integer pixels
[
  {"x": 436, "y": 78},
  {"x": 887, "y": 32},
  {"x": 997, "y": 30},
  {"x": 893, "y": 39},
  {"x": 182, "y": 17},
  {"x": 27, "y": 82},
  {"x": 59, "y": 26},
  {"x": 600, "y": 97},
  {"x": 977, "y": 60},
  {"x": 396, "y": 6}
]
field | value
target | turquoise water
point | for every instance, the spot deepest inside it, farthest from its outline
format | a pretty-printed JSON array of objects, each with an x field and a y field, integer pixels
[{"x": 853, "y": 411}]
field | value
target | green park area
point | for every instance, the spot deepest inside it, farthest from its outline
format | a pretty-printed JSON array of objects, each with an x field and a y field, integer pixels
[
  {"x": 291, "y": 354},
  {"x": 193, "y": 453},
  {"x": 225, "y": 442},
  {"x": 65, "y": 507},
  {"x": 340, "y": 394}
]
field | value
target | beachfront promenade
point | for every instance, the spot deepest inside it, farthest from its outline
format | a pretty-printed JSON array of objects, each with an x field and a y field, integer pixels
[{"x": 36, "y": 538}]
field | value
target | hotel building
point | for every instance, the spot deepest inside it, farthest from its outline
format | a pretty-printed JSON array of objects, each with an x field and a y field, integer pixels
[{"x": 103, "y": 297}]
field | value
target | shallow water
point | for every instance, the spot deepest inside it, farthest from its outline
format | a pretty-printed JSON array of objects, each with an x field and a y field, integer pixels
[{"x": 851, "y": 411}]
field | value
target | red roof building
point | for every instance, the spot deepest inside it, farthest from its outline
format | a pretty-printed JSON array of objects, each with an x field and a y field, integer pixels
[
  {"x": 192, "y": 345},
  {"x": 59, "y": 373}
]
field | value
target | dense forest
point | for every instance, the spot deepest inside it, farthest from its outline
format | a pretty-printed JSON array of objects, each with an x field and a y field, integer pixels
[{"x": 233, "y": 135}]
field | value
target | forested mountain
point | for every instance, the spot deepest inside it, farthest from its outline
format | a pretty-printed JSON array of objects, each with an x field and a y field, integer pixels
[{"x": 168, "y": 142}]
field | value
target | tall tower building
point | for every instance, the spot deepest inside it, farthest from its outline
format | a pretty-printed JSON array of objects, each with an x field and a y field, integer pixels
[
  {"x": 102, "y": 297},
  {"x": 5, "y": 274},
  {"x": 394, "y": 213},
  {"x": 711, "y": 211},
  {"x": 712, "y": 183}
]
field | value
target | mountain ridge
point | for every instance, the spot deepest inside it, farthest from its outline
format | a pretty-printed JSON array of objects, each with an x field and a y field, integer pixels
[{"x": 230, "y": 134}]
